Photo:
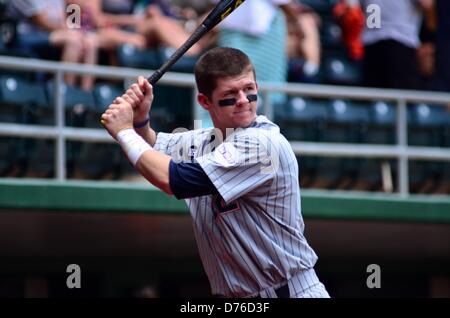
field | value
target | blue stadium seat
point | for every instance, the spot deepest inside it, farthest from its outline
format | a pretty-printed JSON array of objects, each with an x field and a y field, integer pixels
[
  {"x": 347, "y": 123},
  {"x": 382, "y": 123},
  {"x": 184, "y": 65},
  {"x": 321, "y": 6},
  {"x": 340, "y": 71},
  {"x": 40, "y": 153},
  {"x": 14, "y": 95},
  {"x": 428, "y": 127},
  {"x": 428, "y": 124},
  {"x": 78, "y": 104},
  {"x": 302, "y": 118},
  {"x": 330, "y": 34},
  {"x": 130, "y": 56},
  {"x": 105, "y": 93},
  {"x": 380, "y": 130},
  {"x": 89, "y": 160},
  {"x": 19, "y": 99}
]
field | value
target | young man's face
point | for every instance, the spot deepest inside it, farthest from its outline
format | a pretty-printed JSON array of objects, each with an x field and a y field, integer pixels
[{"x": 235, "y": 115}]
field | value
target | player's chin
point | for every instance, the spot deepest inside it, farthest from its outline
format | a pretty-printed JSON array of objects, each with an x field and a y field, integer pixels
[{"x": 244, "y": 118}]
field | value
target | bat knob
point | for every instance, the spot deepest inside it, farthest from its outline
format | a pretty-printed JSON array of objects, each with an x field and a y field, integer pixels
[{"x": 102, "y": 122}]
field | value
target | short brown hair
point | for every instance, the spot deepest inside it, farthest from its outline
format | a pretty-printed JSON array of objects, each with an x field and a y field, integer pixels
[{"x": 217, "y": 63}]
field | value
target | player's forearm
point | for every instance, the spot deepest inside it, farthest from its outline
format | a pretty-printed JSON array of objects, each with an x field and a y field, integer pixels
[
  {"x": 148, "y": 134},
  {"x": 154, "y": 166}
]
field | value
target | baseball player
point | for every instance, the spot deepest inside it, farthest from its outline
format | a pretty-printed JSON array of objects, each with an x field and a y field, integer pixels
[{"x": 239, "y": 180}]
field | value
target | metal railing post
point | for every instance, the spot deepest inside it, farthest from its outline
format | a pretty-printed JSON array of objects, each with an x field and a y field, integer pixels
[
  {"x": 268, "y": 112},
  {"x": 402, "y": 142},
  {"x": 60, "y": 151}
]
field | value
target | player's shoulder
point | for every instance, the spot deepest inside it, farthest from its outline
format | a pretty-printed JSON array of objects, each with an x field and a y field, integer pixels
[
  {"x": 261, "y": 130},
  {"x": 186, "y": 134}
]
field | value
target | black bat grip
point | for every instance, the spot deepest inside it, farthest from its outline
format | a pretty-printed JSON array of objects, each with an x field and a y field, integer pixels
[{"x": 198, "y": 33}]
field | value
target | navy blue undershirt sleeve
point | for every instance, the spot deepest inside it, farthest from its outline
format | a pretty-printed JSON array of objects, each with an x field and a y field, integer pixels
[{"x": 188, "y": 180}]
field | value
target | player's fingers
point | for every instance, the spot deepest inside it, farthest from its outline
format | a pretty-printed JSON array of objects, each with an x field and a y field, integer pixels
[
  {"x": 129, "y": 100},
  {"x": 148, "y": 89},
  {"x": 141, "y": 82},
  {"x": 123, "y": 101},
  {"x": 148, "y": 86},
  {"x": 104, "y": 119},
  {"x": 133, "y": 96},
  {"x": 115, "y": 106},
  {"x": 137, "y": 91}
]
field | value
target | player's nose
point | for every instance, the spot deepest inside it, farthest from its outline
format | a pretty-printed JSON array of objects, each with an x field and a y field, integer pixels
[{"x": 241, "y": 99}]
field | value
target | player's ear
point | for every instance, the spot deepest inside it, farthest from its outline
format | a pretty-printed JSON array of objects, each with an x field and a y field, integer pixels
[{"x": 204, "y": 101}]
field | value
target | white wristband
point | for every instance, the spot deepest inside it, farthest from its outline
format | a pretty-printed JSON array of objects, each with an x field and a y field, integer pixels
[{"x": 132, "y": 144}]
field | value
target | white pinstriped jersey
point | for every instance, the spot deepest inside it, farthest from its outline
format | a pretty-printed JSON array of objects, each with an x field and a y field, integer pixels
[{"x": 250, "y": 237}]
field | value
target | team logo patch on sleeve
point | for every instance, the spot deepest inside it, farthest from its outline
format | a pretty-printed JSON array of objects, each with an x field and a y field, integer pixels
[{"x": 226, "y": 155}]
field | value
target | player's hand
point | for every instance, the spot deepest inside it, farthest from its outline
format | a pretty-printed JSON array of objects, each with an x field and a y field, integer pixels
[
  {"x": 118, "y": 116},
  {"x": 140, "y": 97}
]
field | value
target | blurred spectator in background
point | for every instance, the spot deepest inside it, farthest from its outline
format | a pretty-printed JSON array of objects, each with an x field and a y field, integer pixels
[
  {"x": 169, "y": 30},
  {"x": 259, "y": 29},
  {"x": 42, "y": 24},
  {"x": 443, "y": 44},
  {"x": 104, "y": 30},
  {"x": 303, "y": 44},
  {"x": 426, "y": 52},
  {"x": 390, "y": 51}
]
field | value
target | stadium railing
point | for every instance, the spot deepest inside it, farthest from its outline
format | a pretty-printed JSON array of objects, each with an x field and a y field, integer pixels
[{"x": 400, "y": 151}]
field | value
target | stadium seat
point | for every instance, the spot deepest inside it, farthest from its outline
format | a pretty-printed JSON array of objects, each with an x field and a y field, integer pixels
[
  {"x": 428, "y": 127},
  {"x": 96, "y": 160},
  {"x": 380, "y": 130},
  {"x": 40, "y": 153},
  {"x": 330, "y": 34},
  {"x": 78, "y": 103},
  {"x": 347, "y": 123},
  {"x": 303, "y": 119},
  {"x": 340, "y": 70},
  {"x": 19, "y": 100},
  {"x": 184, "y": 65},
  {"x": 105, "y": 93},
  {"x": 427, "y": 124},
  {"x": 130, "y": 56},
  {"x": 382, "y": 123},
  {"x": 321, "y": 6},
  {"x": 14, "y": 95}
]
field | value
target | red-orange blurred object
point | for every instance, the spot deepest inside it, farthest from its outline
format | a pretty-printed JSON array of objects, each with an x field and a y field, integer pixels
[{"x": 351, "y": 19}]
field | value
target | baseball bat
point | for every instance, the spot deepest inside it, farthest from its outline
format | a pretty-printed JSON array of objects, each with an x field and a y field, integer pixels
[{"x": 220, "y": 12}]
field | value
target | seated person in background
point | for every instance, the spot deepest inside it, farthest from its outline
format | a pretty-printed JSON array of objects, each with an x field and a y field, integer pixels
[
  {"x": 171, "y": 27},
  {"x": 42, "y": 24},
  {"x": 104, "y": 30},
  {"x": 303, "y": 43}
]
